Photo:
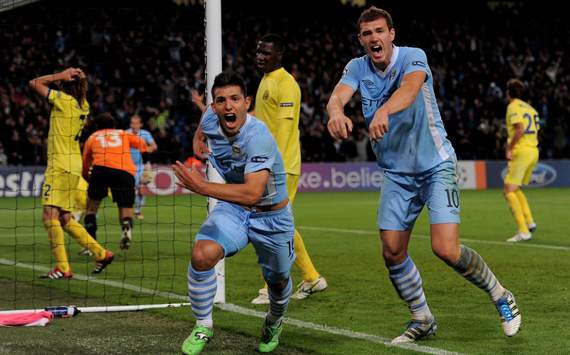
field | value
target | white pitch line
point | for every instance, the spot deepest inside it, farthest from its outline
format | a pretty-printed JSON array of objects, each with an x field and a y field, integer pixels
[
  {"x": 244, "y": 311},
  {"x": 423, "y": 236},
  {"x": 370, "y": 232}
]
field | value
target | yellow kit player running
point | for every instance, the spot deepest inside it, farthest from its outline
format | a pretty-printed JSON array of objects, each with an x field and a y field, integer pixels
[
  {"x": 522, "y": 156},
  {"x": 278, "y": 105},
  {"x": 63, "y": 173}
]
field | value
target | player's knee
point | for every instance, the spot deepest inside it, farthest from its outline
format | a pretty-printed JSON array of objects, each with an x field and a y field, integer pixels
[
  {"x": 276, "y": 279},
  {"x": 393, "y": 256},
  {"x": 206, "y": 256},
  {"x": 448, "y": 253},
  {"x": 64, "y": 218}
]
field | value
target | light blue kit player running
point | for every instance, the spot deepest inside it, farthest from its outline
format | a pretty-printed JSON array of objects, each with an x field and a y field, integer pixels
[
  {"x": 408, "y": 137},
  {"x": 136, "y": 156},
  {"x": 253, "y": 207}
]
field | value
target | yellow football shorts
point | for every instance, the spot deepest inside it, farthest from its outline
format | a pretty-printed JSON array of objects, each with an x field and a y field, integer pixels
[
  {"x": 59, "y": 189},
  {"x": 520, "y": 168},
  {"x": 292, "y": 184}
]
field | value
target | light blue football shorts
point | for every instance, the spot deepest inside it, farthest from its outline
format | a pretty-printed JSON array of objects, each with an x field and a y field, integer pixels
[
  {"x": 271, "y": 234},
  {"x": 403, "y": 196}
]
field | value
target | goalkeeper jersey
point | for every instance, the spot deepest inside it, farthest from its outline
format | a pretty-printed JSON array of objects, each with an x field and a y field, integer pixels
[{"x": 111, "y": 148}]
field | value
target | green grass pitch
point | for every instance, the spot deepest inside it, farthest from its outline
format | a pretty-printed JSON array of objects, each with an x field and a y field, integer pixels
[{"x": 339, "y": 231}]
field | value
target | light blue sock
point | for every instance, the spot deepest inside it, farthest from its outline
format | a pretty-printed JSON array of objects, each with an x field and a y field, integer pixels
[
  {"x": 202, "y": 286},
  {"x": 278, "y": 302},
  {"x": 408, "y": 283},
  {"x": 139, "y": 203}
]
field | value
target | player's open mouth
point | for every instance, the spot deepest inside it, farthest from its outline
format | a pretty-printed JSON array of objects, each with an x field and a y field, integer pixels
[
  {"x": 377, "y": 50},
  {"x": 230, "y": 117}
]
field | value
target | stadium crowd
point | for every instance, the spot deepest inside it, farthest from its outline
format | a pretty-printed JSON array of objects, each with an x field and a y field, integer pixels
[{"x": 149, "y": 61}]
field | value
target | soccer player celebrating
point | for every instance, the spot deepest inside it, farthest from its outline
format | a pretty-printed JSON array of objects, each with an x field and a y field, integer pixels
[
  {"x": 408, "y": 137},
  {"x": 144, "y": 172},
  {"x": 253, "y": 207},
  {"x": 68, "y": 113},
  {"x": 522, "y": 155},
  {"x": 278, "y": 105},
  {"x": 107, "y": 152}
]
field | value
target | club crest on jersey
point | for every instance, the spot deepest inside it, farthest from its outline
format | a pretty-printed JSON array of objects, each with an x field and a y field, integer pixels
[
  {"x": 236, "y": 151},
  {"x": 393, "y": 74},
  {"x": 265, "y": 95}
]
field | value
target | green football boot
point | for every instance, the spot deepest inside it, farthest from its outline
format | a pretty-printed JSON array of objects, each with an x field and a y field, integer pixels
[
  {"x": 270, "y": 337},
  {"x": 196, "y": 342}
]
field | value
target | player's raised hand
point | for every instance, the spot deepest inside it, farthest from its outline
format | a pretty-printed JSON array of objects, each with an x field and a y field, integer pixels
[
  {"x": 199, "y": 145},
  {"x": 339, "y": 126},
  {"x": 71, "y": 74},
  {"x": 190, "y": 179},
  {"x": 379, "y": 125}
]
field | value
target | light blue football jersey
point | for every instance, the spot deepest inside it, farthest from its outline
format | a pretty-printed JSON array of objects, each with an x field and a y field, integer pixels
[
  {"x": 252, "y": 149},
  {"x": 135, "y": 153},
  {"x": 416, "y": 140}
]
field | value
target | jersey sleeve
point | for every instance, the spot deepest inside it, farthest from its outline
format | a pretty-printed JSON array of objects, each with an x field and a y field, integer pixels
[
  {"x": 289, "y": 99},
  {"x": 416, "y": 60},
  {"x": 136, "y": 142},
  {"x": 260, "y": 153},
  {"x": 147, "y": 137},
  {"x": 208, "y": 120},
  {"x": 514, "y": 115},
  {"x": 55, "y": 97},
  {"x": 350, "y": 75}
]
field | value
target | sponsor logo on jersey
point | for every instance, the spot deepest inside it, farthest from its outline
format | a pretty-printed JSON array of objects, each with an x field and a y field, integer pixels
[
  {"x": 259, "y": 159},
  {"x": 286, "y": 104},
  {"x": 418, "y": 63}
]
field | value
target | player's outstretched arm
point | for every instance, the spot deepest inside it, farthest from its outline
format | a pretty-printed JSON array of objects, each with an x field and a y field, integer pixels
[
  {"x": 401, "y": 99},
  {"x": 339, "y": 125},
  {"x": 246, "y": 194},
  {"x": 41, "y": 84}
]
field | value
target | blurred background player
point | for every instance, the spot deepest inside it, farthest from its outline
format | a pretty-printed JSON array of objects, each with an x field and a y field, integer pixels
[
  {"x": 411, "y": 145},
  {"x": 252, "y": 207},
  {"x": 68, "y": 113},
  {"x": 107, "y": 152},
  {"x": 278, "y": 105},
  {"x": 144, "y": 174},
  {"x": 522, "y": 156}
]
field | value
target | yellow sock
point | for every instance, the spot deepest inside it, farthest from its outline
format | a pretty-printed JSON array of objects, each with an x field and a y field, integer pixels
[
  {"x": 525, "y": 208},
  {"x": 57, "y": 243},
  {"x": 303, "y": 260},
  {"x": 516, "y": 209},
  {"x": 78, "y": 232}
]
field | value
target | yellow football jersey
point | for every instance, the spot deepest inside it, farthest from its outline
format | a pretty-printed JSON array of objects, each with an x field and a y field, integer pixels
[
  {"x": 278, "y": 104},
  {"x": 519, "y": 111},
  {"x": 66, "y": 123}
]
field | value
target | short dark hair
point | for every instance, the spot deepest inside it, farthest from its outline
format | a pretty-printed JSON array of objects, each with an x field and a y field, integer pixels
[
  {"x": 104, "y": 121},
  {"x": 278, "y": 43},
  {"x": 229, "y": 78},
  {"x": 374, "y": 13},
  {"x": 515, "y": 88}
]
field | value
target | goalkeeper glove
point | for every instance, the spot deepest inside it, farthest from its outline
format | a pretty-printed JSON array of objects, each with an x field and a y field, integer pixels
[{"x": 147, "y": 175}]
